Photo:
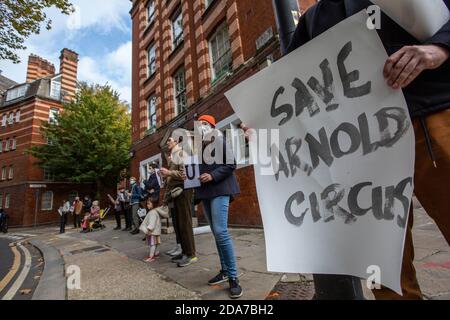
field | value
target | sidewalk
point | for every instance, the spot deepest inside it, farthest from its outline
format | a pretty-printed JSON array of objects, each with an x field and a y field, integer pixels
[{"x": 112, "y": 268}]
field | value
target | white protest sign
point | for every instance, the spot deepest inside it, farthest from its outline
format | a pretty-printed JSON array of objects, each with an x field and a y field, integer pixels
[
  {"x": 338, "y": 195},
  {"x": 192, "y": 169}
]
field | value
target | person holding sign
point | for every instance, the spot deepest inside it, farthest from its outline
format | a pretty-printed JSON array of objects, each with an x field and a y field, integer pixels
[
  {"x": 180, "y": 204},
  {"x": 422, "y": 70},
  {"x": 218, "y": 187}
]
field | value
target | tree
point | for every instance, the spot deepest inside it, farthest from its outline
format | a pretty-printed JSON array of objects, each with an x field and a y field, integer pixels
[
  {"x": 21, "y": 18},
  {"x": 89, "y": 141}
]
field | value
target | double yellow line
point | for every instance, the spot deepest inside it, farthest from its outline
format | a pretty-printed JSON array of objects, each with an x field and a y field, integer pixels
[{"x": 12, "y": 272}]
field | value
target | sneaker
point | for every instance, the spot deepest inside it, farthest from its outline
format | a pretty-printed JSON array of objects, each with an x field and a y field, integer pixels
[
  {"x": 135, "y": 231},
  {"x": 117, "y": 228},
  {"x": 177, "y": 259},
  {"x": 220, "y": 278},
  {"x": 186, "y": 261},
  {"x": 172, "y": 250},
  {"x": 235, "y": 288},
  {"x": 177, "y": 252}
]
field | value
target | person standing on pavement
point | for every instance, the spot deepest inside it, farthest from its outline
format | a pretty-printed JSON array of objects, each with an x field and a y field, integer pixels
[
  {"x": 218, "y": 187},
  {"x": 422, "y": 70},
  {"x": 152, "y": 186},
  {"x": 136, "y": 196},
  {"x": 3, "y": 221},
  {"x": 87, "y": 204},
  {"x": 181, "y": 205},
  {"x": 63, "y": 212},
  {"x": 77, "y": 209},
  {"x": 124, "y": 203}
]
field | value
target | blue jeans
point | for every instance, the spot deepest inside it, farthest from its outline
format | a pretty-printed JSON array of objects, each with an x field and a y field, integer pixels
[{"x": 216, "y": 211}]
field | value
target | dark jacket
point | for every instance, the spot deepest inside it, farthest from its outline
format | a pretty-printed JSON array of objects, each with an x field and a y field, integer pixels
[
  {"x": 136, "y": 194},
  {"x": 224, "y": 180},
  {"x": 87, "y": 204},
  {"x": 429, "y": 92},
  {"x": 152, "y": 183}
]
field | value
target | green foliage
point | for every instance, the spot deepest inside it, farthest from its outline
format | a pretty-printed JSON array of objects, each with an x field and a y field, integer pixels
[
  {"x": 21, "y": 18},
  {"x": 90, "y": 140}
]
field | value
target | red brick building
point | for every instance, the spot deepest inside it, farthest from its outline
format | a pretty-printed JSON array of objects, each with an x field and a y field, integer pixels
[
  {"x": 27, "y": 192},
  {"x": 186, "y": 55}
]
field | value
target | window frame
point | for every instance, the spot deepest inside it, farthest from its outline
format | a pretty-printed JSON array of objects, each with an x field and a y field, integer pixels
[
  {"x": 48, "y": 200},
  {"x": 19, "y": 92},
  {"x": 54, "y": 81},
  {"x": 151, "y": 116},
  {"x": 7, "y": 200},
  {"x": 151, "y": 62},
  {"x": 51, "y": 115},
  {"x": 150, "y": 17},
  {"x": 177, "y": 40},
  {"x": 227, "y": 66},
  {"x": 13, "y": 143},
  {"x": 4, "y": 173},
  {"x": 178, "y": 94},
  {"x": 11, "y": 172},
  {"x": 18, "y": 116}
]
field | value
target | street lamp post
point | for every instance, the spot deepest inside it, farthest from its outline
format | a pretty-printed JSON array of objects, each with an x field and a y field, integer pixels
[{"x": 327, "y": 286}]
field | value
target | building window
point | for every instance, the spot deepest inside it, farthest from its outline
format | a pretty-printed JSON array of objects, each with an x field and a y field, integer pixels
[
  {"x": 4, "y": 120},
  {"x": 55, "y": 88},
  {"x": 1, "y": 200},
  {"x": 52, "y": 116},
  {"x": 1, "y": 146},
  {"x": 18, "y": 116},
  {"x": 13, "y": 143},
  {"x": 151, "y": 53},
  {"x": 208, "y": 2},
  {"x": 47, "y": 201},
  {"x": 4, "y": 173},
  {"x": 11, "y": 172},
  {"x": 17, "y": 92},
  {"x": 150, "y": 11},
  {"x": 11, "y": 118},
  {"x": 220, "y": 52},
  {"x": 7, "y": 201},
  {"x": 48, "y": 175},
  {"x": 7, "y": 144},
  {"x": 180, "y": 91},
  {"x": 177, "y": 30},
  {"x": 151, "y": 111}
]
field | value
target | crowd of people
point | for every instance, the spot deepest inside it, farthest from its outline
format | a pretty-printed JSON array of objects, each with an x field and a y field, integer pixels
[{"x": 143, "y": 208}]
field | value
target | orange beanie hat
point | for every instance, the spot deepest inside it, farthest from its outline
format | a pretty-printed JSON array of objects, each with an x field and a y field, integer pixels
[{"x": 210, "y": 119}]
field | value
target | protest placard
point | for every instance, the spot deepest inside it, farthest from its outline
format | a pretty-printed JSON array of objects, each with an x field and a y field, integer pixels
[
  {"x": 340, "y": 188},
  {"x": 192, "y": 169}
]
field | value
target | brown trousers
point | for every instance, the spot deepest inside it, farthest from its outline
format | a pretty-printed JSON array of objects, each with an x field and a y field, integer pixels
[
  {"x": 432, "y": 189},
  {"x": 183, "y": 216}
]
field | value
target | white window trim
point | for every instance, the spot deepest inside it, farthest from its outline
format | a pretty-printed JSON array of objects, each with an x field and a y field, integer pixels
[
  {"x": 7, "y": 200},
  {"x": 11, "y": 173},
  {"x": 18, "y": 116},
  {"x": 178, "y": 109},
  {"x": 52, "y": 87},
  {"x": 177, "y": 41},
  {"x": 4, "y": 173},
  {"x": 228, "y": 122},
  {"x": 150, "y": 115},
  {"x": 143, "y": 165},
  {"x": 219, "y": 29},
  {"x": 151, "y": 62},
  {"x": 51, "y": 201}
]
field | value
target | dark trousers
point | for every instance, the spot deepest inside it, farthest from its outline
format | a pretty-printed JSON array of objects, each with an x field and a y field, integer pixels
[
  {"x": 183, "y": 217},
  {"x": 128, "y": 219},
  {"x": 117, "y": 214},
  {"x": 76, "y": 220},
  {"x": 175, "y": 225},
  {"x": 62, "y": 223}
]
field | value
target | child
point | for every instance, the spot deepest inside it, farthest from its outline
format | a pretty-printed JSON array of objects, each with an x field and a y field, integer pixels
[{"x": 153, "y": 231}]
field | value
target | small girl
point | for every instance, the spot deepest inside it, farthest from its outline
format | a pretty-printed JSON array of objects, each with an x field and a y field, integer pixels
[{"x": 153, "y": 227}]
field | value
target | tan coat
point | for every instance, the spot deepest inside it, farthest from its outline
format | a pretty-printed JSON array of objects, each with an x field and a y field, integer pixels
[
  {"x": 176, "y": 171},
  {"x": 78, "y": 207}
]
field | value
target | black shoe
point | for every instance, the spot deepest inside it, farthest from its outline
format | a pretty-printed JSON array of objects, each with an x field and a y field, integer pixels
[
  {"x": 135, "y": 231},
  {"x": 177, "y": 258},
  {"x": 145, "y": 238},
  {"x": 235, "y": 288},
  {"x": 220, "y": 278},
  {"x": 117, "y": 228}
]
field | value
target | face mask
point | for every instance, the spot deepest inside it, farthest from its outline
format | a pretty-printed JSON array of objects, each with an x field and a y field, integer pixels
[
  {"x": 205, "y": 130},
  {"x": 133, "y": 182}
]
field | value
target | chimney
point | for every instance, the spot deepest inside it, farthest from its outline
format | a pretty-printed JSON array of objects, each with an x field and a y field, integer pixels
[
  {"x": 39, "y": 68},
  {"x": 68, "y": 69}
]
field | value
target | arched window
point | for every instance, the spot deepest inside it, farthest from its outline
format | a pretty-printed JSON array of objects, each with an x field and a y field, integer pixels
[{"x": 47, "y": 201}]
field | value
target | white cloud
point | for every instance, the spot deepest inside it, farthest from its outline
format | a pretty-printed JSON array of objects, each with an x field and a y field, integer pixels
[
  {"x": 93, "y": 16},
  {"x": 113, "y": 68}
]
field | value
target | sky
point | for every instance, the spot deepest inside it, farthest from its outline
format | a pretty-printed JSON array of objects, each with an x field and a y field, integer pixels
[{"x": 99, "y": 31}]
